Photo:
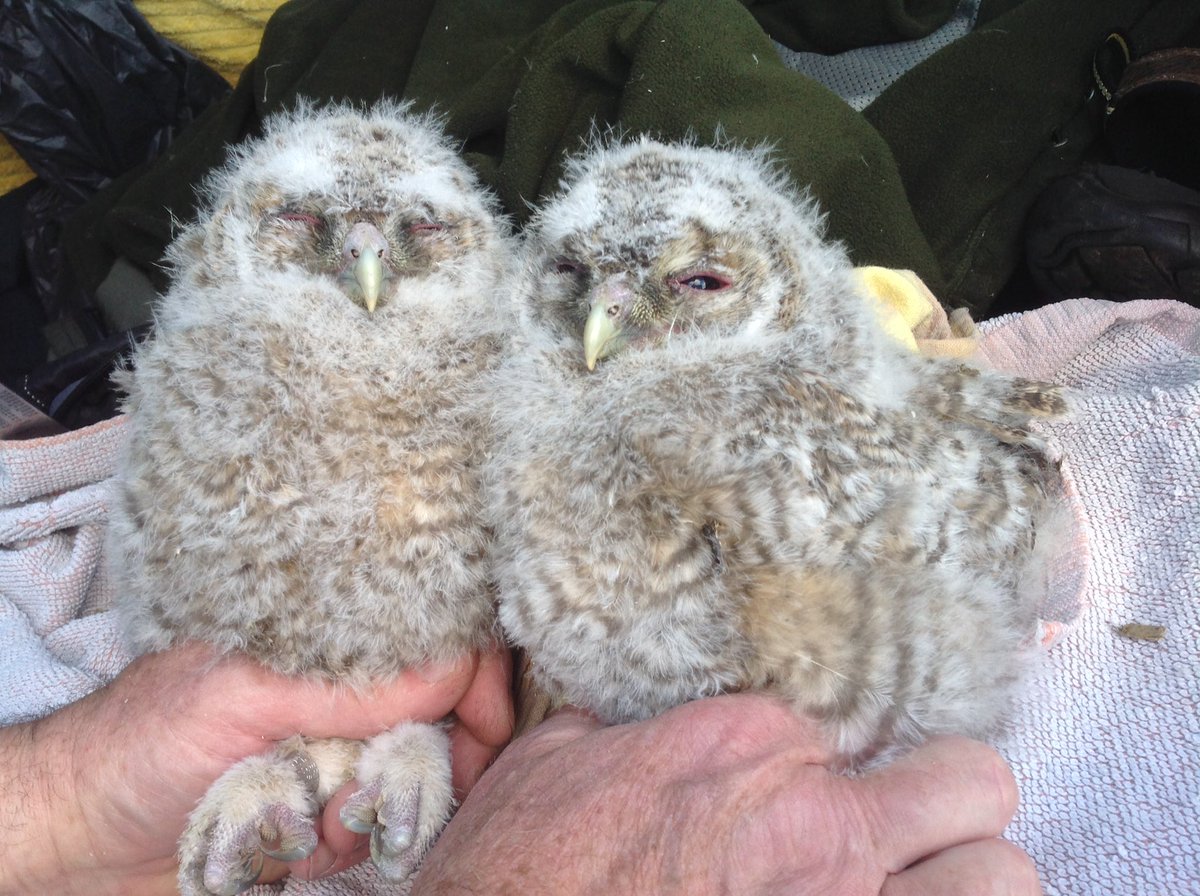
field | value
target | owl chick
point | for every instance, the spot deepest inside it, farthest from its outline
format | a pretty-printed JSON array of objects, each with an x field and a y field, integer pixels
[
  {"x": 301, "y": 481},
  {"x": 717, "y": 472}
]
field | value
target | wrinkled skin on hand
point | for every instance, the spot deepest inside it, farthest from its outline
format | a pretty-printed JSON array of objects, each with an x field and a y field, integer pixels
[
  {"x": 97, "y": 793},
  {"x": 728, "y": 795}
]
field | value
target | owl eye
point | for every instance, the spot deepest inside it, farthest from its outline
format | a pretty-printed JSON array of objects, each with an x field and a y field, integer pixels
[
  {"x": 424, "y": 228},
  {"x": 701, "y": 282},
  {"x": 566, "y": 266},
  {"x": 308, "y": 220}
]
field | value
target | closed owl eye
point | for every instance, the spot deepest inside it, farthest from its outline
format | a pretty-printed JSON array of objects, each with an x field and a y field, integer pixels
[
  {"x": 703, "y": 282},
  {"x": 566, "y": 266},
  {"x": 299, "y": 217},
  {"x": 426, "y": 228}
]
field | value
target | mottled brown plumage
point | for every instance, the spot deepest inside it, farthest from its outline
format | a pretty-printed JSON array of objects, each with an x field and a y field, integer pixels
[
  {"x": 755, "y": 486},
  {"x": 302, "y": 476}
]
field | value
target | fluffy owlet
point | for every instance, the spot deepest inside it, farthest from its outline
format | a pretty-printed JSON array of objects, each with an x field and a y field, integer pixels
[
  {"x": 717, "y": 472},
  {"x": 302, "y": 477}
]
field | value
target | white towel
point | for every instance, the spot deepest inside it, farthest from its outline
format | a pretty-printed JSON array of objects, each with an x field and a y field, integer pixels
[
  {"x": 1105, "y": 743},
  {"x": 57, "y": 643}
]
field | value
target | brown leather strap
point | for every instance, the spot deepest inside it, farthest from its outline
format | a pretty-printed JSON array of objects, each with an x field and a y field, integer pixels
[{"x": 1180, "y": 64}]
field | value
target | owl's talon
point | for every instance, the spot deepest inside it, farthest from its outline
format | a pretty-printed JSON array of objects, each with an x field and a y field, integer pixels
[
  {"x": 356, "y": 824},
  {"x": 391, "y": 821},
  {"x": 234, "y": 866},
  {"x": 235, "y": 857},
  {"x": 393, "y": 865},
  {"x": 389, "y": 840},
  {"x": 358, "y": 813},
  {"x": 397, "y": 825},
  {"x": 288, "y": 855},
  {"x": 286, "y": 834},
  {"x": 407, "y": 797},
  {"x": 263, "y": 806}
]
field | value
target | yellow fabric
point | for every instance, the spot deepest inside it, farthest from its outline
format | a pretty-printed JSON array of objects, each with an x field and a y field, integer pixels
[
  {"x": 901, "y": 300},
  {"x": 223, "y": 33},
  {"x": 912, "y": 315},
  {"x": 13, "y": 170}
]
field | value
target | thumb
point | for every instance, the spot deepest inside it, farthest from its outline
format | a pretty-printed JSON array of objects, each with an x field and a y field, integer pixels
[{"x": 324, "y": 709}]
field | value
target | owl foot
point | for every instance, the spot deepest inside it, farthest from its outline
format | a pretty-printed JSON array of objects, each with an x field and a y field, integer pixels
[
  {"x": 263, "y": 806},
  {"x": 406, "y": 799}
]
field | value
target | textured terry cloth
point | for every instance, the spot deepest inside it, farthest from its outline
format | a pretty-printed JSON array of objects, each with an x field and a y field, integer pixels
[
  {"x": 57, "y": 643},
  {"x": 1105, "y": 742},
  {"x": 934, "y": 176}
]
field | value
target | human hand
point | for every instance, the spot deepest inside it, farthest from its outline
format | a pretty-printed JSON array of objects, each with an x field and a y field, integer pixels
[
  {"x": 728, "y": 795},
  {"x": 93, "y": 798}
]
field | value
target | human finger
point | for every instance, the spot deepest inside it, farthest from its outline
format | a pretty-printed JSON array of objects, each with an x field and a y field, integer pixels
[
  {"x": 341, "y": 839},
  {"x": 949, "y": 791},
  {"x": 424, "y": 693},
  {"x": 272, "y": 870},
  {"x": 469, "y": 759},
  {"x": 992, "y": 867},
  {"x": 326, "y": 861},
  {"x": 486, "y": 709},
  {"x": 337, "y": 847},
  {"x": 250, "y": 698}
]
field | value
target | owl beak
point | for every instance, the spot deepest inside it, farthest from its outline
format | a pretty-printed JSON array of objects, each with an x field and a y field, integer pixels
[
  {"x": 368, "y": 273},
  {"x": 363, "y": 253},
  {"x": 604, "y": 333},
  {"x": 601, "y": 337}
]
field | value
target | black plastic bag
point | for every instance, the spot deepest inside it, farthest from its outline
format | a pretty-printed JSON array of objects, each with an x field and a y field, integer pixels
[{"x": 88, "y": 91}]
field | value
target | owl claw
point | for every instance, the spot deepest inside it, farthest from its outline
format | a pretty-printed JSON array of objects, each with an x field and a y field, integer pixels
[
  {"x": 406, "y": 800},
  {"x": 235, "y": 868},
  {"x": 392, "y": 820},
  {"x": 264, "y": 806},
  {"x": 287, "y": 835},
  {"x": 235, "y": 854},
  {"x": 358, "y": 812},
  {"x": 397, "y": 827}
]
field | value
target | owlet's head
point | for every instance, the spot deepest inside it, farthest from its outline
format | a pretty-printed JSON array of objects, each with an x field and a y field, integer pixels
[
  {"x": 375, "y": 201},
  {"x": 647, "y": 242}
]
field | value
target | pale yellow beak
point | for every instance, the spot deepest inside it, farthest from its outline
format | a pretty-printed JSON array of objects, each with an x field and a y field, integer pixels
[
  {"x": 368, "y": 273},
  {"x": 601, "y": 337}
]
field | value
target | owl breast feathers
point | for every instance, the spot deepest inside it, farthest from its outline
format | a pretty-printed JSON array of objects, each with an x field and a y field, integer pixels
[
  {"x": 301, "y": 481},
  {"x": 716, "y": 472}
]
